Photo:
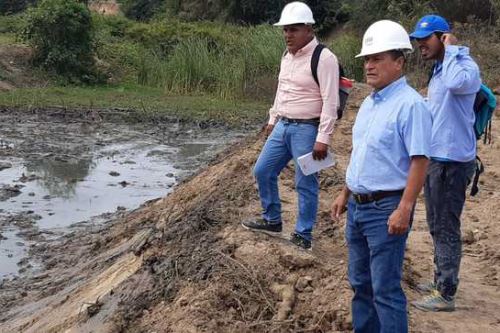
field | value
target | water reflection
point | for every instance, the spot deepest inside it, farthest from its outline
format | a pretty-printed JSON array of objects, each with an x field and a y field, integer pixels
[
  {"x": 80, "y": 175},
  {"x": 60, "y": 177},
  {"x": 193, "y": 149}
]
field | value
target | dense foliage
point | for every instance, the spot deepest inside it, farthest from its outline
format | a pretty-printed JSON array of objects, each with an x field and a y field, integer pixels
[
  {"x": 182, "y": 46},
  {"x": 328, "y": 13},
  {"x": 14, "y": 6},
  {"x": 60, "y": 32},
  {"x": 142, "y": 9}
]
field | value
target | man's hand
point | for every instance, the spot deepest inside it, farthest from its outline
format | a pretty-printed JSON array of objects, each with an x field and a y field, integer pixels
[
  {"x": 320, "y": 150},
  {"x": 399, "y": 221},
  {"x": 449, "y": 39},
  {"x": 339, "y": 205},
  {"x": 269, "y": 128}
]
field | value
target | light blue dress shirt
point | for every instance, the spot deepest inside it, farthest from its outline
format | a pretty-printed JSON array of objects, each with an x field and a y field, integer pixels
[
  {"x": 451, "y": 95},
  {"x": 392, "y": 125}
]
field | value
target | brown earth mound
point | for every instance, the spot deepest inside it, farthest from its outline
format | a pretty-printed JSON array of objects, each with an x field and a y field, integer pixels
[
  {"x": 184, "y": 264},
  {"x": 15, "y": 68},
  {"x": 105, "y": 7}
]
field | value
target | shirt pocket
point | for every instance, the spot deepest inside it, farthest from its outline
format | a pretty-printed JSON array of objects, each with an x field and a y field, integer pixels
[
  {"x": 382, "y": 136},
  {"x": 302, "y": 77},
  {"x": 436, "y": 92}
]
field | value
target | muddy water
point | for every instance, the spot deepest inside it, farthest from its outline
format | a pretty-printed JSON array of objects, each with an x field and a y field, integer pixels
[{"x": 58, "y": 173}]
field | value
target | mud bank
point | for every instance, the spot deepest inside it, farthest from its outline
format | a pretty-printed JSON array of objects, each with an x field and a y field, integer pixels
[
  {"x": 185, "y": 256},
  {"x": 184, "y": 264},
  {"x": 56, "y": 171}
]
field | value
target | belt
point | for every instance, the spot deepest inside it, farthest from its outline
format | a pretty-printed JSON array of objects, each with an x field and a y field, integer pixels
[
  {"x": 313, "y": 121},
  {"x": 363, "y": 198}
]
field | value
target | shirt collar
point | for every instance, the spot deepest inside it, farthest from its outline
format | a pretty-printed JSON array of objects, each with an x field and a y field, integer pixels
[
  {"x": 438, "y": 66},
  {"x": 309, "y": 48},
  {"x": 385, "y": 93}
]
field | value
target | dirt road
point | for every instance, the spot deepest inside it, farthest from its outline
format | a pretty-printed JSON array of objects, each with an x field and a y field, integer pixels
[{"x": 184, "y": 264}]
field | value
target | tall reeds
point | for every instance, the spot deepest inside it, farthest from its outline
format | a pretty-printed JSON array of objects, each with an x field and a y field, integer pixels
[
  {"x": 346, "y": 46},
  {"x": 226, "y": 69}
]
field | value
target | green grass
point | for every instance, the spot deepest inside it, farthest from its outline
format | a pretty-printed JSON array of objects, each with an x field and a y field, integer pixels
[
  {"x": 191, "y": 71},
  {"x": 8, "y": 39},
  {"x": 11, "y": 23},
  {"x": 346, "y": 46},
  {"x": 147, "y": 101},
  {"x": 223, "y": 68}
]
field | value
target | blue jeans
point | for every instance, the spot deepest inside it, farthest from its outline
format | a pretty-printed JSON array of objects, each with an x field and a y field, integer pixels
[
  {"x": 288, "y": 141},
  {"x": 375, "y": 268}
]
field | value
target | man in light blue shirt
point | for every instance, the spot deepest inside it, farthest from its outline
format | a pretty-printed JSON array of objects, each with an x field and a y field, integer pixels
[
  {"x": 452, "y": 90},
  {"x": 391, "y": 145},
  {"x": 383, "y": 141}
]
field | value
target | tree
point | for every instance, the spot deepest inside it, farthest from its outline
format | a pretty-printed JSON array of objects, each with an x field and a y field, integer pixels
[
  {"x": 142, "y": 10},
  {"x": 60, "y": 32},
  {"x": 14, "y": 6},
  {"x": 326, "y": 12},
  {"x": 462, "y": 10},
  {"x": 364, "y": 12}
]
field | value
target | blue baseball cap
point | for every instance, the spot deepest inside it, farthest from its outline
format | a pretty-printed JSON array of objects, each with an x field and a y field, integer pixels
[{"x": 429, "y": 24}]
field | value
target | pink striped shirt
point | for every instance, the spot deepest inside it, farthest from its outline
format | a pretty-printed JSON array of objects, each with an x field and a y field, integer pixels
[{"x": 299, "y": 97}]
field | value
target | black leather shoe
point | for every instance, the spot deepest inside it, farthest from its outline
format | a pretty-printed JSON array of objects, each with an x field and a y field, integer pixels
[{"x": 262, "y": 225}]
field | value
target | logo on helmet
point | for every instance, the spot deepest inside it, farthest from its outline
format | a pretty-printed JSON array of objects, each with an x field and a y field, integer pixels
[{"x": 424, "y": 24}]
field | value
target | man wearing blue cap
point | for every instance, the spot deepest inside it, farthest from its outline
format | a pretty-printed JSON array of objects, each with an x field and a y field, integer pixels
[{"x": 452, "y": 89}]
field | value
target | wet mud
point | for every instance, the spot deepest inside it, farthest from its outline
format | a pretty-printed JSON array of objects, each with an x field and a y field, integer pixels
[{"x": 57, "y": 170}]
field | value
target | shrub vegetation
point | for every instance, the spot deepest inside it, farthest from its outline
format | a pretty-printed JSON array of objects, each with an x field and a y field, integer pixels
[{"x": 61, "y": 33}]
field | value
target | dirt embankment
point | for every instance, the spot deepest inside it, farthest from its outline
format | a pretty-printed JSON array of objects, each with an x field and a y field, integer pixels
[
  {"x": 184, "y": 264},
  {"x": 105, "y": 7},
  {"x": 15, "y": 68}
]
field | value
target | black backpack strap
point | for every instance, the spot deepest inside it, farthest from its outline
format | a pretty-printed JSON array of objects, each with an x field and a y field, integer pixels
[
  {"x": 315, "y": 61},
  {"x": 488, "y": 133},
  {"x": 314, "y": 70},
  {"x": 479, "y": 170}
]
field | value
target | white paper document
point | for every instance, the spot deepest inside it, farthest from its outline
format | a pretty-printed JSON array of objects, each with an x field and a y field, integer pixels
[{"x": 308, "y": 165}]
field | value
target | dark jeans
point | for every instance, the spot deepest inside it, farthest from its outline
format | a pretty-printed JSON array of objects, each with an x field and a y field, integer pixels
[
  {"x": 445, "y": 188},
  {"x": 375, "y": 268}
]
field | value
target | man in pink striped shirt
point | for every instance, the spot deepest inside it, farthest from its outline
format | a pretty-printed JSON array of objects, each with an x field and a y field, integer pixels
[{"x": 301, "y": 121}]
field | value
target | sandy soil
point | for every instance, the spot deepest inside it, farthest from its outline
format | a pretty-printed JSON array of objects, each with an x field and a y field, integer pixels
[
  {"x": 14, "y": 67},
  {"x": 184, "y": 264},
  {"x": 105, "y": 7}
]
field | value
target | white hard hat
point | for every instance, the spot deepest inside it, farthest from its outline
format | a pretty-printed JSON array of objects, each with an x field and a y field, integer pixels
[
  {"x": 295, "y": 13},
  {"x": 384, "y": 36}
]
